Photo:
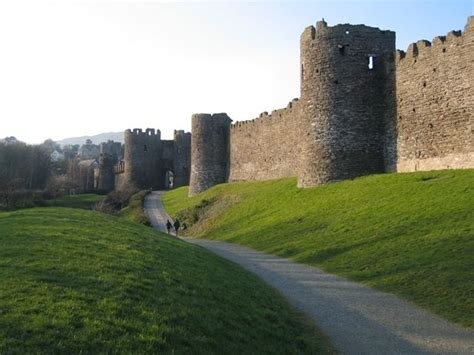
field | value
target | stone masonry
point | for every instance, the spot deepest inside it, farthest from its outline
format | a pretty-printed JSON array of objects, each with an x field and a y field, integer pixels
[
  {"x": 435, "y": 103},
  {"x": 364, "y": 108},
  {"x": 150, "y": 162},
  {"x": 209, "y": 151}
]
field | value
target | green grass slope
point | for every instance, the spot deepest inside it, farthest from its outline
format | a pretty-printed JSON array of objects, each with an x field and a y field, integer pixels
[
  {"x": 85, "y": 201},
  {"x": 134, "y": 211},
  {"x": 409, "y": 234},
  {"x": 80, "y": 281}
]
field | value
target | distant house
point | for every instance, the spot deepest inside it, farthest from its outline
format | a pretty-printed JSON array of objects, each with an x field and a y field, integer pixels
[
  {"x": 88, "y": 151},
  {"x": 56, "y": 156}
]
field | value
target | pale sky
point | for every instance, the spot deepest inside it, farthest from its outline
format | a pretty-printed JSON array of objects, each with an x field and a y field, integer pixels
[{"x": 81, "y": 68}]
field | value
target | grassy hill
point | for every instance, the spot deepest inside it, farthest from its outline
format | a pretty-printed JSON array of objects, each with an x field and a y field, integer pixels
[
  {"x": 409, "y": 234},
  {"x": 85, "y": 201},
  {"x": 79, "y": 281}
]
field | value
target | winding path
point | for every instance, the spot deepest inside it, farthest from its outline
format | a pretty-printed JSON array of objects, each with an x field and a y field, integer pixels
[{"x": 357, "y": 319}]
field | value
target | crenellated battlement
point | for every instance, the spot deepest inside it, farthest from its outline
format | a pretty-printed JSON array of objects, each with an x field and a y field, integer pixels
[
  {"x": 344, "y": 33},
  {"x": 365, "y": 108},
  {"x": 439, "y": 45},
  {"x": 150, "y": 162},
  {"x": 151, "y": 132},
  {"x": 265, "y": 117},
  {"x": 180, "y": 133},
  {"x": 434, "y": 103}
]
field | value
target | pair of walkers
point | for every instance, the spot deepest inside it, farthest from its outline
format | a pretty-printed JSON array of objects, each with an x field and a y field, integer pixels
[{"x": 176, "y": 225}]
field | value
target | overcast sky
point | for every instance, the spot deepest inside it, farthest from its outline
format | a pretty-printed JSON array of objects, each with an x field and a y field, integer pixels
[{"x": 76, "y": 68}]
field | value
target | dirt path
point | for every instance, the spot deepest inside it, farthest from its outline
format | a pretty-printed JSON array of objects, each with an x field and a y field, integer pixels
[{"x": 357, "y": 319}]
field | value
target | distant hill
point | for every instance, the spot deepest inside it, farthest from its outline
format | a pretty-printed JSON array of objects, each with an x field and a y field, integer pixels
[{"x": 96, "y": 139}]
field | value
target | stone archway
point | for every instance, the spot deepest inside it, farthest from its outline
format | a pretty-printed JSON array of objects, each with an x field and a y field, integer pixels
[{"x": 169, "y": 179}]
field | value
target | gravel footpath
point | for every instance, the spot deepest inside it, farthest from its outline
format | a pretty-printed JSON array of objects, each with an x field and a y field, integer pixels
[
  {"x": 357, "y": 319},
  {"x": 155, "y": 211}
]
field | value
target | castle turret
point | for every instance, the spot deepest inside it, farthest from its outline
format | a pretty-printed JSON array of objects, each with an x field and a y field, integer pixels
[
  {"x": 182, "y": 158},
  {"x": 106, "y": 178},
  {"x": 347, "y": 87},
  {"x": 209, "y": 151},
  {"x": 142, "y": 155}
]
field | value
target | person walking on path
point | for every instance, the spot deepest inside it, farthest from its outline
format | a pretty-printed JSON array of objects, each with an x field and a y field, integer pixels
[
  {"x": 168, "y": 225},
  {"x": 357, "y": 319},
  {"x": 176, "y": 226}
]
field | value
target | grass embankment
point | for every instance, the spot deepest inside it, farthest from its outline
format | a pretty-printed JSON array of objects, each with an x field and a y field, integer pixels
[
  {"x": 84, "y": 201},
  {"x": 409, "y": 234},
  {"x": 134, "y": 211},
  {"x": 77, "y": 281}
]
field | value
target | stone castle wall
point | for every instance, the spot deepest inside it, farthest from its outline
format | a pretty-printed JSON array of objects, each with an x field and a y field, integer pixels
[
  {"x": 364, "y": 109},
  {"x": 336, "y": 130},
  {"x": 267, "y": 147},
  {"x": 149, "y": 162},
  {"x": 435, "y": 103},
  {"x": 142, "y": 150}
]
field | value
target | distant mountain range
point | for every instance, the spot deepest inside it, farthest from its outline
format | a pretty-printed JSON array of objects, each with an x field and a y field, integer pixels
[{"x": 96, "y": 139}]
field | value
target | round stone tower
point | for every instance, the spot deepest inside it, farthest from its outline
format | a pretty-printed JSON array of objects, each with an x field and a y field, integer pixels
[
  {"x": 182, "y": 158},
  {"x": 347, "y": 89},
  {"x": 210, "y": 136},
  {"x": 106, "y": 181}
]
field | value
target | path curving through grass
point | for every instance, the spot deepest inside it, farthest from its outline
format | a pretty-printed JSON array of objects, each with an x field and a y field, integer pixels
[{"x": 357, "y": 319}]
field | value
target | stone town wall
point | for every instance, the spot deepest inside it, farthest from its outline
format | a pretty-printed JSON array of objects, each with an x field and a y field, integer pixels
[
  {"x": 435, "y": 103},
  {"x": 365, "y": 108},
  {"x": 149, "y": 161},
  {"x": 266, "y": 147}
]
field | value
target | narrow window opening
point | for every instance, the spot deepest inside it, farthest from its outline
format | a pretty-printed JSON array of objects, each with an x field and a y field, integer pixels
[
  {"x": 342, "y": 49},
  {"x": 302, "y": 71},
  {"x": 371, "y": 62},
  {"x": 424, "y": 84},
  {"x": 145, "y": 148}
]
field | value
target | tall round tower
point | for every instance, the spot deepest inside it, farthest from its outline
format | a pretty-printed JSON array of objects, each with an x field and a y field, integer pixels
[
  {"x": 182, "y": 158},
  {"x": 106, "y": 181},
  {"x": 210, "y": 136},
  {"x": 347, "y": 90}
]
